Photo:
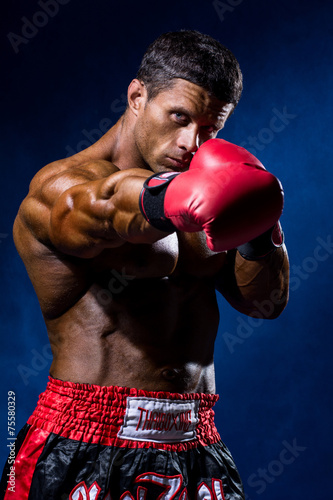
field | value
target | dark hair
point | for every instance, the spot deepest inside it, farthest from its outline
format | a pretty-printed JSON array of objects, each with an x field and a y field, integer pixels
[{"x": 195, "y": 57}]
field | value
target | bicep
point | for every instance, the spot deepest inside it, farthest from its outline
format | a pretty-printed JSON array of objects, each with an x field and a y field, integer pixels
[
  {"x": 80, "y": 223},
  {"x": 61, "y": 209},
  {"x": 82, "y": 211}
]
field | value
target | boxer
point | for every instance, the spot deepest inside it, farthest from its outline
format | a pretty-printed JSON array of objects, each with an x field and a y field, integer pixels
[{"x": 126, "y": 244}]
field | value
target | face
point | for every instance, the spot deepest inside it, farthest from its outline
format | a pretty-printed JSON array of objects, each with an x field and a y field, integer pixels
[{"x": 170, "y": 128}]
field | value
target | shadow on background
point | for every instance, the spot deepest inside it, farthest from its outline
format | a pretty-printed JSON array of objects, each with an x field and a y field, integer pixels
[{"x": 66, "y": 67}]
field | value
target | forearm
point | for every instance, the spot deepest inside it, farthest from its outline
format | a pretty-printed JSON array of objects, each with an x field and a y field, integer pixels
[
  {"x": 103, "y": 213},
  {"x": 258, "y": 287}
]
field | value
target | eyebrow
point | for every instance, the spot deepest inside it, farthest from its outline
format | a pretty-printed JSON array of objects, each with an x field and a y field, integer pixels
[
  {"x": 219, "y": 125},
  {"x": 180, "y": 109}
]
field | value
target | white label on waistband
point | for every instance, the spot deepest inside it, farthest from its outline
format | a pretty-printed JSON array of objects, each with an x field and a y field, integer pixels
[{"x": 159, "y": 420}]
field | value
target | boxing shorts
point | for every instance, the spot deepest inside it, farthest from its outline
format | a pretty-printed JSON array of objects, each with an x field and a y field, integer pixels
[{"x": 86, "y": 442}]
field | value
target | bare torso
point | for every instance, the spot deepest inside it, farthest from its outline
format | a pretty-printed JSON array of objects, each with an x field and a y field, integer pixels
[
  {"x": 140, "y": 316},
  {"x": 137, "y": 311}
]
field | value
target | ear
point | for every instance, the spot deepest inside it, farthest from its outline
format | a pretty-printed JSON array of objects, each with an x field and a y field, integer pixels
[{"x": 136, "y": 96}]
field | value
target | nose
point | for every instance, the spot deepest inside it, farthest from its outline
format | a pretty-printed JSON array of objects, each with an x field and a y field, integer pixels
[{"x": 188, "y": 139}]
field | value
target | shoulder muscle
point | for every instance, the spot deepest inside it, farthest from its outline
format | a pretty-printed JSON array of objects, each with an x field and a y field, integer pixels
[{"x": 49, "y": 184}]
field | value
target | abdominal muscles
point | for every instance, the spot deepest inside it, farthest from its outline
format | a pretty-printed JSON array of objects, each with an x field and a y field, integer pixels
[{"x": 153, "y": 334}]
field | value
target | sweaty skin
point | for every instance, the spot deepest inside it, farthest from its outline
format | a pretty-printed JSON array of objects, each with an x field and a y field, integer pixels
[{"x": 126, "y": 304}]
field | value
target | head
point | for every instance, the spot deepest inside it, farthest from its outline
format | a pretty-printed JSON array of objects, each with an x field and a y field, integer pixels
[
  {"x": 194, "y": 57},
  {"x": 187, "y": 85}
]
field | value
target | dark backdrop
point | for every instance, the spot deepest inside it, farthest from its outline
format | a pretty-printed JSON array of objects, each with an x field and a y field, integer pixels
[{"x": 65, "y": 70}]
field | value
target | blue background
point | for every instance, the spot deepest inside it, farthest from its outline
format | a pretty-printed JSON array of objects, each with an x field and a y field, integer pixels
[{"x": 67, "y": 83}]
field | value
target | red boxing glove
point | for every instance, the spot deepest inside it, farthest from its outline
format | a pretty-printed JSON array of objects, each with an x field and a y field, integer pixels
[{"x": 226, "y": 192}]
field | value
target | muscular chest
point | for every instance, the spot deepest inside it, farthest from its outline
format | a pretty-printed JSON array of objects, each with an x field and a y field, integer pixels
[{"x": 176, "y": 254}]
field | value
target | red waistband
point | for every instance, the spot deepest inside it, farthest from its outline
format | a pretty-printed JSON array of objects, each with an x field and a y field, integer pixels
[{"x": 126, "y": 417}]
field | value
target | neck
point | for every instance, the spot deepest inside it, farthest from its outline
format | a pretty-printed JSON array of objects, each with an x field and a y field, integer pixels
[{"x": 118, "y": 145}]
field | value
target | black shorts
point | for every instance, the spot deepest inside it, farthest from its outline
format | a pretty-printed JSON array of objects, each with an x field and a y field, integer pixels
[{"x": 85, "y": 442}]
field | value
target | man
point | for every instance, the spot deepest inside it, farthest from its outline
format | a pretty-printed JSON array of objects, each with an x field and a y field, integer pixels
[{"x": 125, "y": 244}]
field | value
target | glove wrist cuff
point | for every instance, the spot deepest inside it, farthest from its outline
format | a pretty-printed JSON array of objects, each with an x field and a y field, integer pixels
[
  {"x": 151, "y": 200},
  {"x": 263, "y": 245}
]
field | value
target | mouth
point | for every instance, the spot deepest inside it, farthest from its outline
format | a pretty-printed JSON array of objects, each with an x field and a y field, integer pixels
[{"x": 178, "y": 164}]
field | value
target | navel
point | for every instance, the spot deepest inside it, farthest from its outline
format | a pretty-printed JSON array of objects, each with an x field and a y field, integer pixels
[{"x": 170, "y": 374}]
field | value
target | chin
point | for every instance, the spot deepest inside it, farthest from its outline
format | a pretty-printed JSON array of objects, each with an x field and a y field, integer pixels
[{"x": 160, "y": 168}]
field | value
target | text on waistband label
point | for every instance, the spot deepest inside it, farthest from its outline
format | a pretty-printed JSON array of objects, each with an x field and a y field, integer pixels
[{"x": 159, "y": 420}]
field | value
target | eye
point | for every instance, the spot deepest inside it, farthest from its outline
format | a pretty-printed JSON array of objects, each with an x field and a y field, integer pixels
[
  {"x": 210, "y": 129},
  {"x": 180, "y": 118}
]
